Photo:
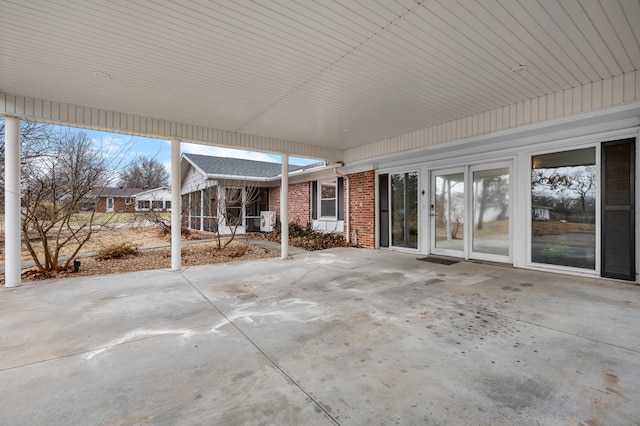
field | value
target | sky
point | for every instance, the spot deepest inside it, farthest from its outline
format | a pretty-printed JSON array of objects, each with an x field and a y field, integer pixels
[
  {"x": 131, "y": 147},
  {"x": 125, "y": 148}
]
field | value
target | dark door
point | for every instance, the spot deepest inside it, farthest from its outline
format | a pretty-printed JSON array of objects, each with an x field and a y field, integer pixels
[{"x": 618, "y": 212}]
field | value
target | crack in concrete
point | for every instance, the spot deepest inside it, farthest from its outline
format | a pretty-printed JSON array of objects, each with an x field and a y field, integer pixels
[{"x": 263, "y": 353}]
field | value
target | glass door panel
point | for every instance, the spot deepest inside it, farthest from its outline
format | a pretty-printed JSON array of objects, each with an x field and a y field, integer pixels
[
  {"x": 404, "y": 209},
  {"x": 448, "y": 212},
  {"x": 563, "y": 208},
  {"x": 491, "y": 227}
]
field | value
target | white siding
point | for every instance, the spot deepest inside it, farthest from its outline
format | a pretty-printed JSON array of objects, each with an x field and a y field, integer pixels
[
  {"x": 590, "y": 97},
  {"x": 333, "y": 226},
  {"x": 193, "y": 181}
]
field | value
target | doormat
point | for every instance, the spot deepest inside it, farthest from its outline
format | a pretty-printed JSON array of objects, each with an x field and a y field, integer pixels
[{"x": 439, "y": 260}]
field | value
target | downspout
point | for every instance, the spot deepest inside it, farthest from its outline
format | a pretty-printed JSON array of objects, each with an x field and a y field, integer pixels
[{"x": 347, "y": 204}]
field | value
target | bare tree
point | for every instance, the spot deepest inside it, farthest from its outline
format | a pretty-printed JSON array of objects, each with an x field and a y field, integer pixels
[
  {"x": 583, "y": 183},
  {"x": 493, "y": 190},
  {"x": 34, "y": 139},
  {"x": 578, "y": 181},
  {"x": 54, "y": 185},
  {"x": 32, "y": 136},
  {"x": 144, "y": 172}
]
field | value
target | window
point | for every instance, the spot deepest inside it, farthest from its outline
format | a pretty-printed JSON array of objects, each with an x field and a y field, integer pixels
[
  {"x": 257, "y": 200},
  {"x": 195, "y": 208},
  {"x": 144, "y": 204},
  {"x": 129, "y": 200},
  {"x": 210, "y": 209},
  {"x": 328, "y": 199},
  {"x": 156, "y": 204},
  {"x": 167, "y": 205},
  {"x": 184, "y": 210},
  {"x": 563, "y": 208},
  {"x": 233, "y": 206}
]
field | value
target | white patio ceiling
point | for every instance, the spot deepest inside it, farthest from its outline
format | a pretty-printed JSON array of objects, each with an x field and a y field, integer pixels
[{"x": 335, "y": 74}]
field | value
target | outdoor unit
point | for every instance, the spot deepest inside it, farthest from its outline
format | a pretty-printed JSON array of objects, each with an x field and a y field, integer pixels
[{"x": 267, "y": 221}]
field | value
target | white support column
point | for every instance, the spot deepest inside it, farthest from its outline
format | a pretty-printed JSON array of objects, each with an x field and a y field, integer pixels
[
  {"x": 284, "y": 208},
  {"x": 347, "y": 209},
  {"x": 12, "y": 247},
  {"x": 176, "y": 208}
]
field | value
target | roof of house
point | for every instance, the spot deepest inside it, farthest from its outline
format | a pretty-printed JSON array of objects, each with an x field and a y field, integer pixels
[
  {"x": 108, "y": 191},
  {"x": 151, "y": 191},
  {"x": 223, "y": 166}
]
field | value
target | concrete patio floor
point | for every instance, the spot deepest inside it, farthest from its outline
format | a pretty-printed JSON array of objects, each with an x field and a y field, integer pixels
[{"x": 342, "y": 336}]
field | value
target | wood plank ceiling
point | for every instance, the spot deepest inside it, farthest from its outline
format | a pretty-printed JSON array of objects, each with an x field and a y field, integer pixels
[{"x": 335, "y": 73}]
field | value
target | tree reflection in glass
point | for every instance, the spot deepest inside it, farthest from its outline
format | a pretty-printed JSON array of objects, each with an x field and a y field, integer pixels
[
  {"x": 563, "y": 206},
  {"x": 449, "y": 211},
  {"x": 404, "y": 209},
  {"x": 491, "y": 211}
]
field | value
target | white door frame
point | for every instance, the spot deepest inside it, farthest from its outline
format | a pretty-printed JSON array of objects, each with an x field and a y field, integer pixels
[
  {"x": 418, "y": 215},
  {"x": 471, "y": 211},
  {"x": 468, "y": 220},
  {"x": 432, "y": 211}
]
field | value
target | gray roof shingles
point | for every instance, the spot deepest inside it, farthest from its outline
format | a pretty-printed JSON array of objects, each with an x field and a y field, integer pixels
[{"x": 237, "y": 167}]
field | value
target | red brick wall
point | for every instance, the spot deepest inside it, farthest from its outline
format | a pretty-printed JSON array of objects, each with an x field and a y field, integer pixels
[
  {"x": 119, "y": 205},
  {"x": 274, "y": 201},
  {"x": 362, "y": 206},
  {"x": 299, "y": 203},
  {"x": 101, "y": 205},
  {"x": 362, "y": 212}
]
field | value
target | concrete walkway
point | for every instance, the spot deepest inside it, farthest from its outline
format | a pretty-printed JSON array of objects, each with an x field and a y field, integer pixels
[{"x": 342, "y": 336}]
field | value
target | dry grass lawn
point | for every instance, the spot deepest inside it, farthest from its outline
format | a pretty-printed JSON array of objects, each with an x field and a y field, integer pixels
[{"x": 194, "y": 253}]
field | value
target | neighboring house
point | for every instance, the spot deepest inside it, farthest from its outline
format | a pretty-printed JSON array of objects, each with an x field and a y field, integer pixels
[
  {"x": 110, "y": 199},
  {"x": 157, "y": 199},
  {"x": 219, "y": 191},
  {"x": 540, "y": 213}
]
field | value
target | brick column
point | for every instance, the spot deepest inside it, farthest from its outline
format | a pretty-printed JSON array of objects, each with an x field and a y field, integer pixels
[{"x": 362, "y": 208}]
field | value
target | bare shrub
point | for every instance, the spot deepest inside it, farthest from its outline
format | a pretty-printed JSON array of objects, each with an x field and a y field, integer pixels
[{"x": 119, "y": 251}]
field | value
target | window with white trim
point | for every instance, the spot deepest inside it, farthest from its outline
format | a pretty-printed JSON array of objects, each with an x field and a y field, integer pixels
[{"x": 328, "y": 199}]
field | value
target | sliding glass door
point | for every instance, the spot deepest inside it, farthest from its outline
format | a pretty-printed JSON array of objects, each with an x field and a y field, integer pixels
[
  {"x": 404, "y": 209},
  {"x": 470, "y": 212},
  {"x": 491, "y": 229}
]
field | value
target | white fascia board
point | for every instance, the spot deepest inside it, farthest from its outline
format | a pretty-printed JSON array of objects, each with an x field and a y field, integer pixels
[
  {"x": 237, "y": 178},
  {"x": 152, "y": 190},
  {"x": 299, "y": 175},
  {"x": 277, "y": 178},
  {"x": 318, "y": 174}
]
